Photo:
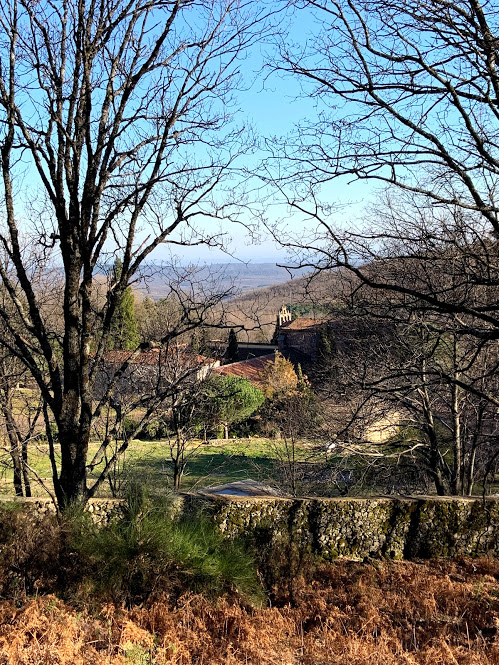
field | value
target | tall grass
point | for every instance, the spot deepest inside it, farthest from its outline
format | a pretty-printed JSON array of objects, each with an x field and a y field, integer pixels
[{"x": 145, "y": 555}]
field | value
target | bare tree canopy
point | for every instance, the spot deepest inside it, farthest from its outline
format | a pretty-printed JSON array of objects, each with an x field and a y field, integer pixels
[
  {"x": 407, "y": 95},
  {"x": 116, "y": 136}
]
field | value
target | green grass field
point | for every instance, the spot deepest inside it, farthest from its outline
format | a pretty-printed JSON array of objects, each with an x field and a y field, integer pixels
[{"x": 215, "y": 463}]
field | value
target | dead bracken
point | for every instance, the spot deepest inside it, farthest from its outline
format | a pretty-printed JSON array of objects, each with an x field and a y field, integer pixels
[{"x": 379, "y": 613}]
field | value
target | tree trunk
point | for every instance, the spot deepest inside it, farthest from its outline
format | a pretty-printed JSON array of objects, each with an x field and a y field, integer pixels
[
  {"x": 177, "y": 477},
  {"x": 470, "y": 472},
  {"x": 435, "y": 462},
  {"x": 14, "y": 445},
  {"x": 178, "y": 472},
  {"x": 178, "y": 459},
  {"x": 457, "y": 468},
  {"x": 16, "y": 462},
  {"x": 27, "y": 482},
  {"x": 71, "y": 486}
]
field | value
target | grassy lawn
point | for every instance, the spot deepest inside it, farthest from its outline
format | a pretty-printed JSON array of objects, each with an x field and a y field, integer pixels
[{"x": 215, "y": 463}]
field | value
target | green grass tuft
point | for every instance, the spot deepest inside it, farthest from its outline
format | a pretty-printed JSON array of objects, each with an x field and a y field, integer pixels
[{"x": 147, "y": 554}]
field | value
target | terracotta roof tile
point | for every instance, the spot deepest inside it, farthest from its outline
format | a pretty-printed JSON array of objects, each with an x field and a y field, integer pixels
[
  {"x": 151, "y": 357},
  {"x": 248, "y": 369},
  {"x": 304, "y": 324}
]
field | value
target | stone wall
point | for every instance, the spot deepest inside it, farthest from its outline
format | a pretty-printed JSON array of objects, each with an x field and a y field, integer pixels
[
  {"x": 423, "y": 527},
  {"x": 420, "y": 527},
  {"x": 102, "y": 510}
]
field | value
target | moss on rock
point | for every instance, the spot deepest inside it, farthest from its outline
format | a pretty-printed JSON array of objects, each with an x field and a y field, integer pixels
[{"x": 360, "y": 528}]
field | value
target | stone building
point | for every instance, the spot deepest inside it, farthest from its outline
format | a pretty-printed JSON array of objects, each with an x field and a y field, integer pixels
[{"x": 298, "y": 339}]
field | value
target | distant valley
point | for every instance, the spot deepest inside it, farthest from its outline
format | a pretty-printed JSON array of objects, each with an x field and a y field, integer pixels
[{"x": 236, "y": 277}]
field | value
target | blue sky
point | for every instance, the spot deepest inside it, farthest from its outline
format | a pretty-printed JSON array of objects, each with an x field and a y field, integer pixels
[{"x": 272, "y": 105}]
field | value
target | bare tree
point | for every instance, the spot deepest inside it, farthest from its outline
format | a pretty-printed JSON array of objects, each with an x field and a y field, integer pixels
[
  {"x": 396, "y": 401},
  {"x": 162, "y": 387},
  {"x": 403, "y": 85},
  {"x": 117, "y": 133},
  {"x": 21, "y": 420},
  {"x": 184, "y": 417},
  {"x": 296, "y": 415},
  {"x": 408, "y": 97},
  {"x": 407, "y": 94}
]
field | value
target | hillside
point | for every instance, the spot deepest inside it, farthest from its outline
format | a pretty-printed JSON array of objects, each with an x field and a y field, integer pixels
[
  {"x": 256, "y": 310},
  {"x": 256, "y": 291},
  {"x": 238, "y": 277}
]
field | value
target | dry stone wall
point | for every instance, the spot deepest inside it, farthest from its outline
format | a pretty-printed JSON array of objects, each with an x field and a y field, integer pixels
[
  {"x": 420, "y": 527},
  {"x": 101, "y": 510},
  {"x": 423, "y": 527}
]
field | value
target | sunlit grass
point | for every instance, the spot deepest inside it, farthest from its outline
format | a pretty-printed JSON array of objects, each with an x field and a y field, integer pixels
[{"x": 215, "y": 463}]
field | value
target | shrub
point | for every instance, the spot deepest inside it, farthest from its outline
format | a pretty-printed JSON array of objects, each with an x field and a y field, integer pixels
[
  {"x": 130, "y": 424},
  {"x": 30, "y": 549},
  {"x": 154, "y": 430},
  {"x": 245, "y": 429},
  {"x": 146, "y": 554}
]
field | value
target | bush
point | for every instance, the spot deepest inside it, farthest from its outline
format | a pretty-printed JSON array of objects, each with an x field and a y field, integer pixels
[
  {"x": 245, "y": 429},
  {"x": 130, "y": 424},
  {"x": 30, "y": 550},
  {"x": 147, "y": 554},
  {"x": 54, "y": 431},
  {"x": 154, "y": 430}
]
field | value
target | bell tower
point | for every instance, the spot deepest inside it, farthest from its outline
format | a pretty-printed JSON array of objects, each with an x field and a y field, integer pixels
[{"x": 283, "y": 316}]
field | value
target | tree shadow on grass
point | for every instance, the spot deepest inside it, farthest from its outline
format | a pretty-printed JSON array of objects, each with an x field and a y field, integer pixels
[{"x": 206, "y": 469}]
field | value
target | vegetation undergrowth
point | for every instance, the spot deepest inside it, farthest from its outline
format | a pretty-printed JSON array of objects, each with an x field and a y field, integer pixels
[
  {"x": 151, "y": 589},
  {"x": 378, "y": 613},
  {"x": 148, "y": 554},
  {"x": 144, "y": 555}
]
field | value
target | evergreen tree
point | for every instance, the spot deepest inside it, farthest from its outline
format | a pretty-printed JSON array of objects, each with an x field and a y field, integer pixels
[
  {"x": 200, "y": 343},
  {"x": 233, "y": 347},
  {"x": 124, "y": 332},
  {"x": 231, "y": 399},
  {"x": 326, "y": 343}
]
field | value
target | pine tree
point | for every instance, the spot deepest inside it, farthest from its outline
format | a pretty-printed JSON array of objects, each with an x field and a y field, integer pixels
[
  {"x": 233, "y": 347},
  {"x": 231, "y": 399},
  {"x": 124, "y": 332}
]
